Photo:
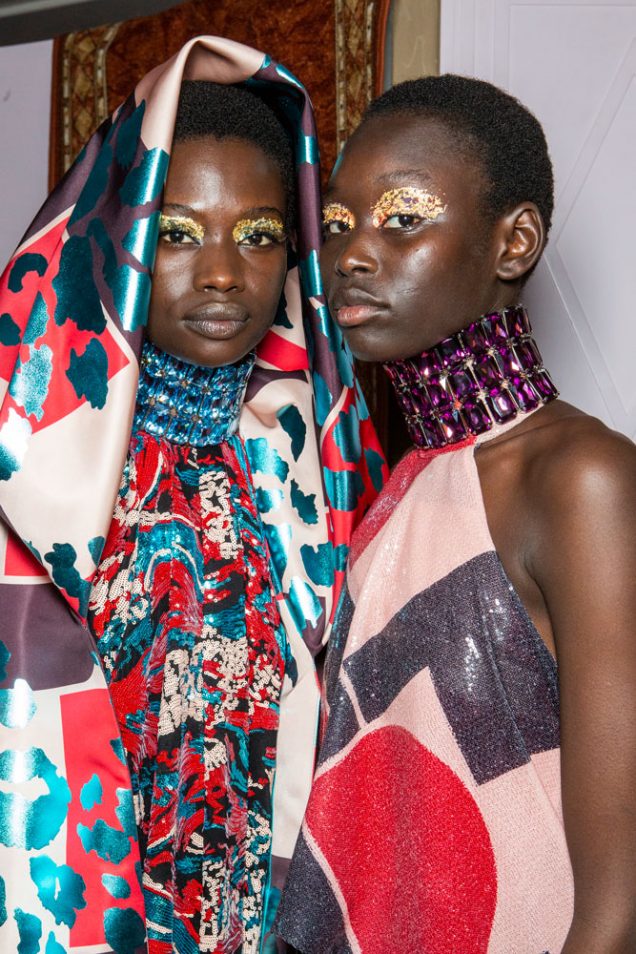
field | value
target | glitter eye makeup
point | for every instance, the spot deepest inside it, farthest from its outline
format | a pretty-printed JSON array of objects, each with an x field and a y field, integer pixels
[
  {"x": 407, "y": 201},
  {"x": 175, "y": 224},
  {"x": 336, "y": 214},
  {"x": 263, "y": 227}
]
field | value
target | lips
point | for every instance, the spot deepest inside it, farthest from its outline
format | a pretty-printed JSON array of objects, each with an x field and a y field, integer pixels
[
  {"x": 354, "y": 307},
  {"x": 217, "y": 320}
]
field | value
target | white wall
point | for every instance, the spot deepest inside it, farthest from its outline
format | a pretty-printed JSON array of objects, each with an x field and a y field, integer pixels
[
  {"x": 573, "y": 63},
  {"x": 25, "y": 108}
]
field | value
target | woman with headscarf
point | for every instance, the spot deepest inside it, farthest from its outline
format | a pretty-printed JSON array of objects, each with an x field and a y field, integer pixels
[{"x": 211, "y": 587}]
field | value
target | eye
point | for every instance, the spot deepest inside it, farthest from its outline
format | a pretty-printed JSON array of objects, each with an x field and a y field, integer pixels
[
  {"x": 406, "y": 208},
  {"x": 337, "y": 219},
  {"x": 259, "y": 232},
  {"x": 177, "y": 237},
  {"x": 260, "y": 239},
  {"x": 180, "y": 230},
  {"x": 401, "y": 221},
  {"x": 335, "y": 227}
]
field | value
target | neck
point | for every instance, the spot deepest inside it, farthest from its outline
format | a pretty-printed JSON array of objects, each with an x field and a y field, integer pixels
[
  {"x": 487, "y": 374},
  {"x": 188, "y": 403}
]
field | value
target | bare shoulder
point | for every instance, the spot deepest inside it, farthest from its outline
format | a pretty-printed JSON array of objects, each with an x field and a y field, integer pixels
[{"x": 575, "y": 466}]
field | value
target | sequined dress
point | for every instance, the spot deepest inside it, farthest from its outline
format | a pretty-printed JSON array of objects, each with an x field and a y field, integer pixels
[
  {"x": 190, "y": 639},
  {"x": 435, "y": 822}
]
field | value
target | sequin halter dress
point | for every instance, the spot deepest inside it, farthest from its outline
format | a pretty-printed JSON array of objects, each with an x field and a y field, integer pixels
[
  {"x": 193, "y": 650},
  {"x": 434, "y": 825}
]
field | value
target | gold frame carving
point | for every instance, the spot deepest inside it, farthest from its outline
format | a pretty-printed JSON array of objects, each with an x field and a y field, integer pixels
[
  {"x": 84, "y": 93},
  {"x": 354, "y": 63}
]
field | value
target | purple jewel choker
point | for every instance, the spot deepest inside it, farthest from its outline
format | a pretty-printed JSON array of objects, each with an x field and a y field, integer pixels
[{"x": 485, "y": 375}]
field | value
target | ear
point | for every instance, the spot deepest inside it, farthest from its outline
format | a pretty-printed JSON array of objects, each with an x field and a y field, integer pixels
[{"x": 522, "y": 239}]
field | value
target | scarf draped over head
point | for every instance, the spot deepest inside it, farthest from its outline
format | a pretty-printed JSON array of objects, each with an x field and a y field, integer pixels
[{"x": 73, "y": 305}]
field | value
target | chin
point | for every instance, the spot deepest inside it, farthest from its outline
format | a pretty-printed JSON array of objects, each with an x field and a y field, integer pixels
[
  {"x": 364, "y": 348},
  {"x": 215, "y": 355},
  {"x": 370, "y": 352}
]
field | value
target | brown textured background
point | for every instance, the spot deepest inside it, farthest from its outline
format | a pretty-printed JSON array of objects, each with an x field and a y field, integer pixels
[
  {"x": 336, "y": 47},
  {"x": 301, "y": 35}
]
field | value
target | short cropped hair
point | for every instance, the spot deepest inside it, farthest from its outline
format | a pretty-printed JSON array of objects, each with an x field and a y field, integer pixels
[
  {"x": 233, "y": 112},
  {"x": 493, "y": 128}
]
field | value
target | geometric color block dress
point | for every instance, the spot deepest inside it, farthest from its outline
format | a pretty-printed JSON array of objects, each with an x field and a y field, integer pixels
[{"x": 434, "y": 825}]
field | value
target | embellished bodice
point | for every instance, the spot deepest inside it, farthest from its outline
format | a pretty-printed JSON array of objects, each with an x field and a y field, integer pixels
[
  {"x": 189, "y": 403},
  {"x": 189, "y": 635}
]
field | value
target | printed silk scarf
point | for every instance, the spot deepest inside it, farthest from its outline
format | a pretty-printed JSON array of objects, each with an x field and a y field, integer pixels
[{"x": 73, "y": 303}]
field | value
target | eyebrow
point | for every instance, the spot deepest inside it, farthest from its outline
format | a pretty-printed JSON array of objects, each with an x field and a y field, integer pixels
[
  {"x": 388, "y": 178},
  {"x": 260, "y": 210},
  {"x": 400, "y": 174}
]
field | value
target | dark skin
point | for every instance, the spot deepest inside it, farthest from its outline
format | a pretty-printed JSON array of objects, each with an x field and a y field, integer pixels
[
  {"x": 221, "y": 256},
  {"x": 559, "y": 488}
]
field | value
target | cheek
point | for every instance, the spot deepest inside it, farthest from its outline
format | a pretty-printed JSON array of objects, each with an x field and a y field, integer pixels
[
  {"x": 433, "y": 273},
  {"x": 167, "y": 281},
  {"x": 268, "y": 283},
  {"x": 328, "y": 259}
]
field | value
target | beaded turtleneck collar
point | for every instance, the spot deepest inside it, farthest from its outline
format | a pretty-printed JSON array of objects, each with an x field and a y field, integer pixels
[
  {"x": 188, "y": 403},
  {"x": 485, "y": 375}
]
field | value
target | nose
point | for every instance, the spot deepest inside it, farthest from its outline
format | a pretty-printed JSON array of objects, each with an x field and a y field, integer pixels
[
  {"x": 356, "y": 253},
  {"x": 218, "y": 267}
]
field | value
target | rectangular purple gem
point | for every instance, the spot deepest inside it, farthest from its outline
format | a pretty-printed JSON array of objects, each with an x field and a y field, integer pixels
[
  {"x": 517, "y": 322},
  {"x": 453, "y": 425},
  {"x": 410, "y": 405},
  {"x": 430, "y": 433},
  {"x": 429, "y": 364},
  {"x": 510, "y": 363},
  {"x": 502, "y": 406},
  {"x": 476, "y": 338},
  {"x": 528, "y": 354},
  {"x": 525, "y": 396},
  {"x": 476, "y": 416},
  {"x": 451, "y": 351},
  {"x": 439, "y": 396},
  {"x": 495, "y": 328},
  {"x": 487, "y": 373},
  {"x": 463, "y": 384},
  {"x": 543, "y": 384}
]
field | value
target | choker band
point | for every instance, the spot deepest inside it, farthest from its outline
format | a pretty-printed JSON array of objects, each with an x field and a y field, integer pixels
[
  {"x": 482, "y": 376},
  {"x": 189, "y": 403}
]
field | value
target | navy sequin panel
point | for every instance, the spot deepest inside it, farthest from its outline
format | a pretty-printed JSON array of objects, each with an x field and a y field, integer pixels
[{"x": 493, "y": 675}]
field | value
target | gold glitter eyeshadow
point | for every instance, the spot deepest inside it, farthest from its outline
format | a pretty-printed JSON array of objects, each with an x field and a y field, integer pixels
[
  {"x": 270, "y": 227},
  {"x": 406, "y": 201},
  {"x": 335, "y": 212},
  {"x": 180, "y": 223}
]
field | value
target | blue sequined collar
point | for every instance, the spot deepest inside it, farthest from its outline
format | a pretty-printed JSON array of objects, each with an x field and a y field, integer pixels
[{"x": 187, "y": 403}]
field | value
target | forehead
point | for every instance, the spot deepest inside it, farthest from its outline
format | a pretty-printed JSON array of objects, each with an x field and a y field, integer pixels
[
  {"x": 206, "y": 170},
  {"x": 403, "y": 149}
]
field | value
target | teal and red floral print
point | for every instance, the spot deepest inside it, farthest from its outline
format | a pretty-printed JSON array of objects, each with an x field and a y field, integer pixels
[
  {"x": 194, "y": 653},
  {"x": 73, "y": 304}
]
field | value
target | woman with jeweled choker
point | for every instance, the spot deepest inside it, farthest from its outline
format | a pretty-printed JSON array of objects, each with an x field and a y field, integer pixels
[
  {"x": 165, "y": 590},
  {"x": 476, "y": 787}
]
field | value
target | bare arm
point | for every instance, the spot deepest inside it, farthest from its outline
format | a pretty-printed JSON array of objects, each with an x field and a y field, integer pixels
[{"x": 583, "y": 556}]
